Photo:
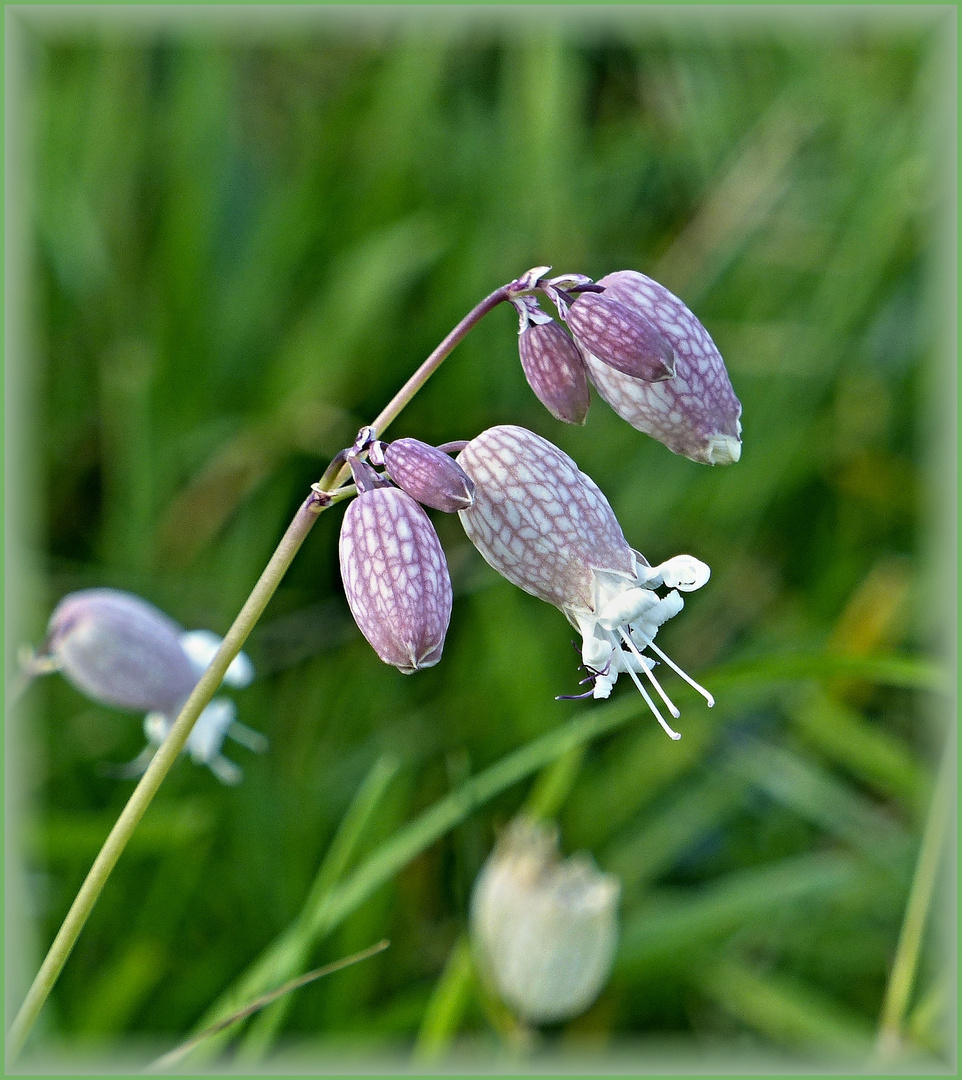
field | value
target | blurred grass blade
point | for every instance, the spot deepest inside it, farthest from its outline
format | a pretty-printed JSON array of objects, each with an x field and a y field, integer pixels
[
  {"x": 908, "y": 952},
  {"x": 907, "y": 672},
  {"x": 675, "y": 921},
  {"x": 873, "y": 754},
  {"x": 175, "y": 1056},
  {"x": 292, "y": 948},
  {"x": 447, "y": 1005},
  {"x": 337, "y": 903},
  {"x": 650, "y": 846},
  {"x": 815, "y": 795},
  {"x": 786, "y": 1011}
]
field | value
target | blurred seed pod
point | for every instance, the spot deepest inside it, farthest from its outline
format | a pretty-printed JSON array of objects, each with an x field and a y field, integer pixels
[
  {"x": 544, "y": 931},
  {"x": 621, "y": 337},
  {"x": 696, "y": 413},
  {"x": 555, "y": 370},
  {"x": 120, "y": 650},
  {"x": 395, "y": 578},
  {"x": 428, "y": 475}
]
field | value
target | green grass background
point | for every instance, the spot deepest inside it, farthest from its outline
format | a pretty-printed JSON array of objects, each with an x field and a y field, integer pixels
[{"x": 237, "y": 243}]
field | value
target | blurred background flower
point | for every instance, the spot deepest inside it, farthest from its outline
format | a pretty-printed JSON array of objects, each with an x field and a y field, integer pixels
[{"x": 234, "y": 242}]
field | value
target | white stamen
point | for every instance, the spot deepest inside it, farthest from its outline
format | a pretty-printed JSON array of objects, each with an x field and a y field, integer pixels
[
  {"x": 248, "y": 737},
  {"x": 688, "y": 679},
  {"x": 225, "y": 771},
  {"x": 130, "y": 769},
  {"x": 651, "y": 705},
  {"x": 672, "y": 708}
]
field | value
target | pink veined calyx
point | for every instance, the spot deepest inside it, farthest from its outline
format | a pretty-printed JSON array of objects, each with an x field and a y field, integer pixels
[
  {"x": 393, "y": 568},
  {"x": 645, "y": 352},
  {"x": 545, "y": 526}
]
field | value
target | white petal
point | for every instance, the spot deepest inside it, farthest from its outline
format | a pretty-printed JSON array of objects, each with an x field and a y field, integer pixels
[{"x": 201, "y": 646}]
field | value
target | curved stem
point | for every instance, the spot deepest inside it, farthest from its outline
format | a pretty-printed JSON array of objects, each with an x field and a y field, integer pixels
[
  {"x": 424, "y": 372},
  {"x": 205, "y": 689}
]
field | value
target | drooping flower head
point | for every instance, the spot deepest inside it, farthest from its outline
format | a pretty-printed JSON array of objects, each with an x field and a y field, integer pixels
[
  {"x": 552, "y": 363},
  {"x": 545, "y": 526},
  {"x": 647, "y": 354},
  {"x": 426, "y": 473},
  {"x": 121, "y": 650},
  {"x": 544, "y": 930},
  {"x": 695, "y": 413}
]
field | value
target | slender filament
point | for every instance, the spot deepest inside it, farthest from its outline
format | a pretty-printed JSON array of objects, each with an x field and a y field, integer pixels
[
  {"x": 644, "y": 693},
  {"x": 672, "y": 708},
  {"x": 688, "y": 679}
]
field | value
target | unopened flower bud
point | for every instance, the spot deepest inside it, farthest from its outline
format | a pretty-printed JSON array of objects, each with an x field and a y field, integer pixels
[
  {"x": 695, "y": 413},
  {"x": 544, "y": 931},
  {"x": 555, "y": 370},
  {"x": 428, "y": 475},
  {"x": 546, "y": 527},
  {"x": 621, "y": 337},
  {"x": 395, "y": 578},
  {"x": 120, "y": 650}
]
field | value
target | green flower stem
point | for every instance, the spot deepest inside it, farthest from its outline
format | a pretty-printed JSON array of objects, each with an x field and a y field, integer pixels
[
  {"x": 205, "y": 689},
  {"x": 403, "y": 397}
]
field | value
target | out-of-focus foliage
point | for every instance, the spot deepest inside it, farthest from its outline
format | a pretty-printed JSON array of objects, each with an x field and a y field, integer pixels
[{"x": 239, "y": 245}]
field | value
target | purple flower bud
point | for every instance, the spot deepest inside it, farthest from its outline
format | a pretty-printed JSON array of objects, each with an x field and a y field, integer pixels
[
  {"x": 428, "y": 475},
  {"x": 120, "y": 650},
  {"x": 621, "y": 337},
  {"x": 546, "y": 527},
  {"x": 555, "y": 370},
  {"x": 395, "y": 578},
  {"x": 695, "y": 413}
]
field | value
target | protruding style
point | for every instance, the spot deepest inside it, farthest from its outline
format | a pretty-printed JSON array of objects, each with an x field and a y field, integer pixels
[{"x": 544, "y": 931}]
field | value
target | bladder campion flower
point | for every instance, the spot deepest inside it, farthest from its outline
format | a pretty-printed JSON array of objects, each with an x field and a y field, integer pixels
[
  {"x": 395, "y": 576},
  {"x": 545, "y": 526},
  {"x": 695, "y": 413},
  {"x": 544, "y": 931},
  {"x": 123, "y": 651}
]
